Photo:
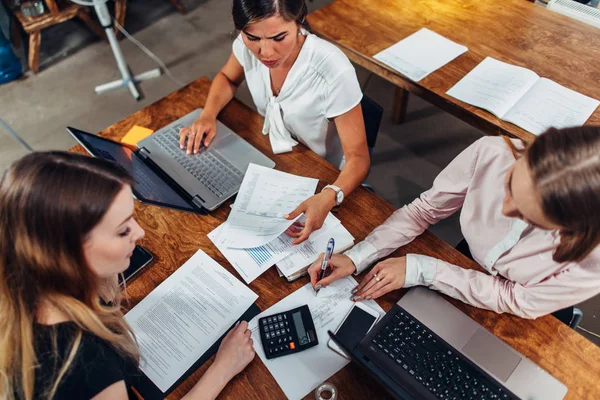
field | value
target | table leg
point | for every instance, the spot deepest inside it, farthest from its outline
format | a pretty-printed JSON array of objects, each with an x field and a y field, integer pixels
[
  {"x": 399, "y": 105},
  {"x": 120, "y": 11},
  {"x": 35, "y": 39}
]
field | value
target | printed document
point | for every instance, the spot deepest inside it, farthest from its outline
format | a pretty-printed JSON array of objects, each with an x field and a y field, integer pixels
[
  {"x": 265, "y": 197},
  {"x": 184, "y": 316},
  {"x": 298, "y": 374},
  {"x": 420, "y": 54},
  {"x": 251, "y": 263},
  {"x": 518, "y": 95}
]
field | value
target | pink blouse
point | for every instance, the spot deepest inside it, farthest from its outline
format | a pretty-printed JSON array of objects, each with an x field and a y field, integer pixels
[{"x": 523, "y": 278}]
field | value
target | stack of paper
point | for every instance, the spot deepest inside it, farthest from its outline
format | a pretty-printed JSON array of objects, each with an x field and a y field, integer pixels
[
  {"x": 266, "y": 196},
  {"x": 291, "y": 260},
  {"x": 297, "y": 374},
  {"x": 420, "y": 54}
]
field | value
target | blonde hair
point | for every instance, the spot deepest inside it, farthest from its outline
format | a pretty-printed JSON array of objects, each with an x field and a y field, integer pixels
[
  {"x": 49, "y": 202},
  {"x": 565, "y": 168}
]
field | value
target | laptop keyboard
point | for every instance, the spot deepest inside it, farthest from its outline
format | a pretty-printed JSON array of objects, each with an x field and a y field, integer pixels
[
  {"x": 437, "y": 366},
  {"x": 216, "y": 173}
]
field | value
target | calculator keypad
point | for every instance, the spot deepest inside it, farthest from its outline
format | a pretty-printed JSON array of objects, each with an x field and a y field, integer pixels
[{"x": 277, "y": 330}]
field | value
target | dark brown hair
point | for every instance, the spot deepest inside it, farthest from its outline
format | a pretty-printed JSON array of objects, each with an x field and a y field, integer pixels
[
  {"x": 246, "y": 12},
  {"x": 565, "y": 168},
  {"x": 49, "y": 203}
]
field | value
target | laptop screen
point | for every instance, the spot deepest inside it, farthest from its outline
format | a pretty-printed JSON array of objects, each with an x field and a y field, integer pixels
[{"x": 149, "y": 187}]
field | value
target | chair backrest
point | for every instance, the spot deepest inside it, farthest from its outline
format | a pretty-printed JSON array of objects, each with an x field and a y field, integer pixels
[{"x": 372, "y": 114}]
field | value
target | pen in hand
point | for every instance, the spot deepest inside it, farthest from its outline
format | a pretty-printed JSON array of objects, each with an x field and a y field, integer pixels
[{"x": 326, "y": 258}]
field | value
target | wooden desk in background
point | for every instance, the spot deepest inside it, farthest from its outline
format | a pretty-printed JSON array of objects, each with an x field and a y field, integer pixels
[
  {"x": 173, "y": 237},
  {"x": 513, "y": 31}
]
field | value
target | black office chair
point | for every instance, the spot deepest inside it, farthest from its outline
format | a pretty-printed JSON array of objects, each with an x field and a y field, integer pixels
[
  {"x": 570, "y": 316},
  {"x": 372, "y": 114}
]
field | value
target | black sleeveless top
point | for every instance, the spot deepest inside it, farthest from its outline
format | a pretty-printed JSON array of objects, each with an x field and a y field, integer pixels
[{"x": 96, "y": 366}]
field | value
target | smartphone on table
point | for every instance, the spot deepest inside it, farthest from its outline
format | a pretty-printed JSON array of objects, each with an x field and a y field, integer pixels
[
  {"x": 139, "y": 259},
  {"x": 355, "y": 326}
]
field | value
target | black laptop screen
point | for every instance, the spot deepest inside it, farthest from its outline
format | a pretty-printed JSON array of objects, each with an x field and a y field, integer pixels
[{"x": 148, "y": 187}]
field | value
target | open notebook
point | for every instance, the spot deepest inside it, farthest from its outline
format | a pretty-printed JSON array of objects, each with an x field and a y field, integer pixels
[{"x": 518, "y": 95}]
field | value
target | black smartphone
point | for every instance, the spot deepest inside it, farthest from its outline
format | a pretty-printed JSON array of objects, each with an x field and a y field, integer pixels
[{"x": 139, "y": 259}]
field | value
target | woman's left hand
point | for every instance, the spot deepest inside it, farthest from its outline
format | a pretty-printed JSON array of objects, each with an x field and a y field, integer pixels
[
  {"x": 316, "y": 209},
  {"x": 384, "y": 277}
]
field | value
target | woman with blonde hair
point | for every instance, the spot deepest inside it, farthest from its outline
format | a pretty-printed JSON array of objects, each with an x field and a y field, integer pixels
[
  {"x": 537, "y": 235},
  {"x": 67, "y": 229}
]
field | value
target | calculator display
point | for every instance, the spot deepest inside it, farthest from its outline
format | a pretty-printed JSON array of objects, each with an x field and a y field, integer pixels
[{"x": 302, "y": 336}]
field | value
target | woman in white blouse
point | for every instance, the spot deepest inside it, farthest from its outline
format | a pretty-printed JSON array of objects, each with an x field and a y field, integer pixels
[{"x": 305, "y": 88}]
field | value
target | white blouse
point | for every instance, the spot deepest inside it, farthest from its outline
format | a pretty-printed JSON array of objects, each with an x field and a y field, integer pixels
[{"x": 321, "y": 85}]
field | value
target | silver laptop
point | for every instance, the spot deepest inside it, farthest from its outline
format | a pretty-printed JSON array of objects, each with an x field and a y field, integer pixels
[
  {"x": 165, "y": 176},
  {"x": 212, "y": 175},
  {"x": 425, "y": 348}
]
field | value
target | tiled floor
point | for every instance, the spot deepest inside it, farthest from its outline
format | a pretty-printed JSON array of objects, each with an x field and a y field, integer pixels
[{"x": 405, "y": 161}]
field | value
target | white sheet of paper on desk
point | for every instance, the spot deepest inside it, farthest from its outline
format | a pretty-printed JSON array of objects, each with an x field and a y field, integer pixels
[
  {"x": 265, "y": 197},
  {"x": 420, "y": 54},
  {"x": 310, "y": 250},
  {"x": 298, "y": 374},
  {"x": 185, "y": 315},
  {"x": 494, "y": 86},
  {"x": 548, "y": 104},
  {"x": 251, "y": 263}
]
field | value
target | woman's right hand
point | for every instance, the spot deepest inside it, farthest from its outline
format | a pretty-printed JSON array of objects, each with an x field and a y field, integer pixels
[
  {"x": 339, "y": 266},
  {"x": 202, "y": 131},
  {"x": 235, "y": 352}
]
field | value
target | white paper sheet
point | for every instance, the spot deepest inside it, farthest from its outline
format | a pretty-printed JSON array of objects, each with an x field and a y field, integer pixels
[
  {"x": 548, "y": 104},
  {"x": 265, "y": 197},
  {"x": 185, "y": 315},
  {"x": 251, "y": 263},
  {"x": 310, "y": 250},
  {"x": 494, "y": 86},
  {"x": 420, "y": 54},
  {"x": 298, "y": 374}
]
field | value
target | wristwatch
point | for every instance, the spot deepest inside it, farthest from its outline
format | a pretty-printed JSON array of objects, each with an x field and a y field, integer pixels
[{"x": 339, "y": 194}]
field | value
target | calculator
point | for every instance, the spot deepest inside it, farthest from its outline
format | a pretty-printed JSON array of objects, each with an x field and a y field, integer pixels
[{"x": 288, "y": 332}]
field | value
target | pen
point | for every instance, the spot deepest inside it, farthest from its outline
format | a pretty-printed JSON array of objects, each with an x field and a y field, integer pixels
[{"x": 326, "y": 258}]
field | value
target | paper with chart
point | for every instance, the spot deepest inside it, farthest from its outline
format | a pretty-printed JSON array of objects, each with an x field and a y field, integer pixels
[
  {"x": 520, "y": 96},
  {"x": 265, "y": 197},
  {"x": 184, "y": 316},
  {"x": 310, "y": 250},
  {"x": 251, "y": 263},
  {"x": 548, "y": 104},
  {"x": 420, "y": 54},
  {"x": 494, "y": 86},
  {"x": 298, "y": 374}
]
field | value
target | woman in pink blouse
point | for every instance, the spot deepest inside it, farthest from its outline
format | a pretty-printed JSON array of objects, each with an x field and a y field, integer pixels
[{"x": 536, "y": 235}]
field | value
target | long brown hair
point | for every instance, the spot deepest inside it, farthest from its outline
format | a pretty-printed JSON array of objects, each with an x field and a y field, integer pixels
[
  {"x": 565, "y": 168},
  {"x": 49, "y": 203},
  {"x": 246, "y": 12}
]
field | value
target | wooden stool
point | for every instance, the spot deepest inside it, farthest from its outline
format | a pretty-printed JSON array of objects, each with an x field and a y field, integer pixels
[{"x": 33, "y": 26}]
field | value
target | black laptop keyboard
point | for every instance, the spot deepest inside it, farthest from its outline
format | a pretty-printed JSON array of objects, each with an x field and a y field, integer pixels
[
  {"x": 216, "y": 173},
  {"x": 437, "y": 366}
]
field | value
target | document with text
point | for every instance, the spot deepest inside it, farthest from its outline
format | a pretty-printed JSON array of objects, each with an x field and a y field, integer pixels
[
  {"x": 184, "y": 316},
  {"x": 265, "y": 198},
  {"x": 297, "y": 374},
  {"x": 518, "y": 95},
  {"x": 420, "y": 54}
]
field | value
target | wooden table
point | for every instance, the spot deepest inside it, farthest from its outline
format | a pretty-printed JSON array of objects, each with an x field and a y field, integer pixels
[
  {"x": 514, "y": 31},
  {"x": 173, "y": 237}
]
